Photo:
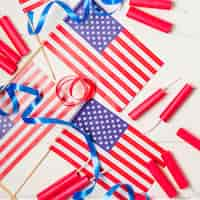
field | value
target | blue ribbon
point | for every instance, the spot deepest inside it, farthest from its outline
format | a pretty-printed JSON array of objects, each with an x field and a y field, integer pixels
[
  {"x": 71, "y": 14},
  {"x": 111, "y": 2},
  {"x": 113, "y": 189},
  {"x": 84, "y": 193},
  {"x": 11, "y": 90},
  {"x": 87, "y": 6}
]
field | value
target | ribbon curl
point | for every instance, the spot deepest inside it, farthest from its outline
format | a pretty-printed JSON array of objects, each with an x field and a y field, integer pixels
[
  {"x": 113, "y": 189},
  {"x": 65, "y": 90},
  {"x": 88, "y": 5},
  {"x": 26, "y": 116}
]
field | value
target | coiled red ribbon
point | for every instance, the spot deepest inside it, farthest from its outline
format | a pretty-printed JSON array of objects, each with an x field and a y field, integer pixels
[{"x": 74, "y": 90}]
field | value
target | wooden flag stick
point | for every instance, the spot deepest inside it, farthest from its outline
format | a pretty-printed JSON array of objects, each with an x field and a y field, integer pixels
[
  {"x": 38, "y": 165},
  {"x": 46, "y": 58},
  {"x": 5, "y": 189},
  {"x": 32, "y": 172},
  {"x": 44, "y": 52}
]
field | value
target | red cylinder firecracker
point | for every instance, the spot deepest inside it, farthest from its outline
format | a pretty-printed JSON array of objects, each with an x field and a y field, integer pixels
[
  {"x": 189, "y": 138},
  {"x": 78, "y": 186},
  {"x": 7, "y": 65},
  {"x": 158, "y": 4},
  {"x": 150, "y": 20},
  {"x": 59, "y": 186},
  {"x": 147, "y": 104},
  {"x": 14, "y": 36},
  {"x": 175, "y": 170},
  {"x": 162, "y": 179},
  {"x": 9, "y": 52},
  {"x": 176, "y": 103}
]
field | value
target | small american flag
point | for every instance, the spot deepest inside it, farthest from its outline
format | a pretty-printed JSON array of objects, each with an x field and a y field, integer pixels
[
  {"x": 102, "y": 49},
  {"x": 22, "y": 137},
  {"x": 120, "y": 146}
]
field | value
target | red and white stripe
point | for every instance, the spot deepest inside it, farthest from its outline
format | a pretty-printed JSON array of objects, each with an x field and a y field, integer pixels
[
  {"x": 31, "y": 5},
  {"x": 120, "y": 72},
  {"x": 22, "y": 138},
  {"x": 128, "y": 158}
]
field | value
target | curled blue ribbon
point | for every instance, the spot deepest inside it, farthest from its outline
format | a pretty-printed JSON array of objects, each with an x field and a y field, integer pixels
[
  {"x": 87, "y": 6},
  {"x": 113, "y": 189},
  {"x": 71, "y": 14},
  {"x": 11, "y": 90},
  {"x": 111, "y": 2}
]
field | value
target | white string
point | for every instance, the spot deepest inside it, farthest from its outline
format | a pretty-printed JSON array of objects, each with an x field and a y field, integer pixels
[
  {"x": 170, "y": 84},
  {"x": 154, "y": 126}
]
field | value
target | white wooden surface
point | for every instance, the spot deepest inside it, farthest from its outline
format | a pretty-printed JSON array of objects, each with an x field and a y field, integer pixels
[{"x": 179, "y": 50}]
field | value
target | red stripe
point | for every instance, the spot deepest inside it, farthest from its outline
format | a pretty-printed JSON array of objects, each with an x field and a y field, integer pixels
[
  {"x": 24, "y": 71},
  {"x": 87, "y": 172},
  {"x": 126, "y": 60},
  {"x": 17, "y": 79},
  {"x": 18, "y": 117},
  {"x": 105, "y": 160},
  {"x": 143, "y": 47},
  {"x": 35, "y": 5},
  {"x": 95, "y": 60},
  {"x": 121, "y": 159},
  {"x": 24, "y": 98},
  {"x": 146, "y": 139},
  {"x": 19, "y": 144},
  {"x": 32, "y": 131},
  {"x": 122, "y": 70},
  {"x": 131, "y": 154},
  {"x": 128, "y": 164},
  {"x": 142, "y": 149},
  {"x": 77, "y": 71},
  {"x": 32, "y": 145},
  {"x": 136, "y": 55},
  {"x": 89, "y": 68}
]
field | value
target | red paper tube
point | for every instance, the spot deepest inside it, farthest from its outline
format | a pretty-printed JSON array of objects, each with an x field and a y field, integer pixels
[
  {"x": 162, "y": 179},
  {"x": 148, "y": 103},
  {"x": 140, "y": 197},
  {"x": 158, "y": 4},
  {"x": 175, "y": 170},
  {"x": 150, "y": 20},
  {"x": 9, "y": 52},
  {"x": 176, "y": 103},
  {"x": 7, "y": 65},
  {"x": 14, "y": 36},
  {"x": 189, "y": 138},
  {"x": 59, "y": 186},
  {"x": 82, "y": 183}
]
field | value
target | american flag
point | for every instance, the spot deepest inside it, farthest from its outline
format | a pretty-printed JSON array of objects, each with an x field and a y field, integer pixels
[
  {"x": 31, "y": 5},
  {"x": 121, "y": 147},
  {"x": 102, "y": 49},
  {"x": 16, "y": 143}
]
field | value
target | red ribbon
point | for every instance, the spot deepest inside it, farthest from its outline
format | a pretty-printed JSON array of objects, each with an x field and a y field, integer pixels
[{"x": 66, "y": 87}]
